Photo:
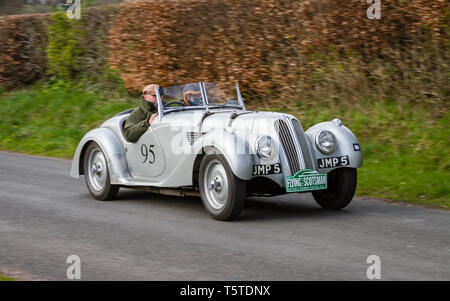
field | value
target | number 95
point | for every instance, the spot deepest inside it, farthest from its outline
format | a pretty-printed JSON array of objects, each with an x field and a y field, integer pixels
[{"x": 145, "y": 153}]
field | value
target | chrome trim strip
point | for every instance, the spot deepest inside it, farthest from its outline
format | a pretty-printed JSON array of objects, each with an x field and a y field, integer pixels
[
  {"x": 240, "y": 99},
  {"x": 205, "y": 97},
  {"x": 160, "y": 105}
]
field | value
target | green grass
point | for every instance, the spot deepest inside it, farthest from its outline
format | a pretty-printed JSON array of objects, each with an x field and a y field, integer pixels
[
  {"x": 406, "y": 154},
  {"x": 6, "y": 278},
  {"x": 405, "y": 147},
  {"x": 50, "y": 119}
]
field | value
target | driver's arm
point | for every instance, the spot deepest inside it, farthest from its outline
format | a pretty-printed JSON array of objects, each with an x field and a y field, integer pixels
[{"x": 136, "y": 125}]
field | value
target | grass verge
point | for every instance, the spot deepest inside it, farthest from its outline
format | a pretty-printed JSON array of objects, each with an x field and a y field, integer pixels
[
  {"x": 405, "y": 147},
  {"x": 50, "y": 119},
  {"x": 6, "y": 278}
]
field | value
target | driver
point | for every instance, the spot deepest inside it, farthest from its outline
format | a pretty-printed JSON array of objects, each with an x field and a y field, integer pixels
[
  {"x": 192, "y": 95},
  {"x": 142, "y": 117}
]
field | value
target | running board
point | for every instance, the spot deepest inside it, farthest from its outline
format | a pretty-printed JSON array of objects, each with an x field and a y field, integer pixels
[{"x": 168, "y": 191}]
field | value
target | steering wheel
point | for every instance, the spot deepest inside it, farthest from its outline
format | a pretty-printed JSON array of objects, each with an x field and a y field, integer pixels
[{"x": 174, "y": 103}]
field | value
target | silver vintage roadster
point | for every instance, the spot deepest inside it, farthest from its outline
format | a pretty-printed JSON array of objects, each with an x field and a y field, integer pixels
[{"x": 205, "y": 143}]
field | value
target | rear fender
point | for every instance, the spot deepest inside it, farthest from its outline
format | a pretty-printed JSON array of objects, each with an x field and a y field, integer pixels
[{"x": 111, "y": 147}]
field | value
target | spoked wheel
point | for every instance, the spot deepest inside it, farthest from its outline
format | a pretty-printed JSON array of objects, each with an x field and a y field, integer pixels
[
  {"x": 96, "y": 174},
  {"x": 340, "y": 191},
  {"x": 223, "y": 194}
]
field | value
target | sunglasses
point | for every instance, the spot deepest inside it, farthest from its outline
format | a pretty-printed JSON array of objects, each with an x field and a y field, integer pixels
[{"x": 148, "y": 93}]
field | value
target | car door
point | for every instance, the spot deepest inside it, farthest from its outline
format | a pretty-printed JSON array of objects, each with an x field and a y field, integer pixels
[{"x": 146, "y": 157}]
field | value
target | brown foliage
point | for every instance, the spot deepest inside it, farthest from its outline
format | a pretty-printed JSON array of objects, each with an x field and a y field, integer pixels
[
  {"x": 296, "y": 49},
  {"x": 269, "y": 45},
  {"x": 23, "y": 39},
  {"x": 177, "y": 41}
]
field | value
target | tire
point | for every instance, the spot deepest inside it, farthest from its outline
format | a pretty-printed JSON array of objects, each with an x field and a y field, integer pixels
[
  {"x": 97, "y": 178},
  {"x": 222, "y": 193},
  {"x": 340, "y": 191}
]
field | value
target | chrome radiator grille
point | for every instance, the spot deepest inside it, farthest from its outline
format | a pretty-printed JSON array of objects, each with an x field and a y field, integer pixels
[
  {"x": 288, "y": 143},
  {"x": 306, "y": 151},
  {"x": 298, "y": 153}
]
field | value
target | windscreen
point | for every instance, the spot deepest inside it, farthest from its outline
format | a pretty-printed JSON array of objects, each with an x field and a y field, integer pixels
[
  {"x": 221, "y": 94},
  {"x": 188, "y": 95}
]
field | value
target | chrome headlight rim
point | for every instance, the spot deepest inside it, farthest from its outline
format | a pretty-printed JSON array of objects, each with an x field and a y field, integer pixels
[
  {"x": 320, "y": 147},
  {"x": 260, "y": 153}
]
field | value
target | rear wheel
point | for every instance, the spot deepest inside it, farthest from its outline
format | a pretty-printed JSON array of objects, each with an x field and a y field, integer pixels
[
  {"x": 340, "y": 191},
  {"x": 96, "y": 174},
  {"x": 223, "y": 194}
]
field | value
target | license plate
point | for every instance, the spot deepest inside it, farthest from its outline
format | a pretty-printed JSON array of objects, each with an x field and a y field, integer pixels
[
  {"x": 333, "y": 162},
  {"x": 266, "y": 169},
  {"x": 306, "y": 180}
]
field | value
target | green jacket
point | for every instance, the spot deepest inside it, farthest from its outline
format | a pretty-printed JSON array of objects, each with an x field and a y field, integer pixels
[{"x": 137, "y": 122}]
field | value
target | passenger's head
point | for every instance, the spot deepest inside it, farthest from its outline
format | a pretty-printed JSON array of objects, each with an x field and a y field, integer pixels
[{"x": 192, "y": 95}]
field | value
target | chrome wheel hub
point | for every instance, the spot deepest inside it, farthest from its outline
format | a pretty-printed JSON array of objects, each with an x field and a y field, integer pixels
[
  {"x": 216, "y": 184},
  {"x": 97, "y": 171}
]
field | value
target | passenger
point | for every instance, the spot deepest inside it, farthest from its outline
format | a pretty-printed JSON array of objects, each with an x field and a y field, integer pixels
[
  {"x": 192, "y": 95},
  {"x": 142, "y": 117}
]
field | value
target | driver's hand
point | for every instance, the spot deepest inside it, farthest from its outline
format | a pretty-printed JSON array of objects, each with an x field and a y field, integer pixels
[{"x": 150, "y": 120}]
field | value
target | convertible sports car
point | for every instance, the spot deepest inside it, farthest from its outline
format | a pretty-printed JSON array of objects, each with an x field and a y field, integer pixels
[{"x": 205, "y": 143}]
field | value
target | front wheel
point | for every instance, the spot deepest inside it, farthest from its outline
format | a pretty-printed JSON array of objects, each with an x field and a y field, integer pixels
[
  {"x": 223, "y": 194},
  {"x": 340, "y": 191},
  {"x": 96, "y": 174}
]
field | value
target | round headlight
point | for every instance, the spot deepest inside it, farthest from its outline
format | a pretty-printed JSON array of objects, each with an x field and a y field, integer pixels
[
  {"x": 326, "y": 142},
  {"x": 264, "y": 146}
]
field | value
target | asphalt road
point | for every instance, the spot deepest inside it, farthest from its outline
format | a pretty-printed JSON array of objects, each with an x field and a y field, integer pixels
[{"x": 45, "y": 216}]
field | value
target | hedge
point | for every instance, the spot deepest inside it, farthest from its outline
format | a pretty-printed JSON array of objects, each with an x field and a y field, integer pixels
[{"x": 279, "y": 50}]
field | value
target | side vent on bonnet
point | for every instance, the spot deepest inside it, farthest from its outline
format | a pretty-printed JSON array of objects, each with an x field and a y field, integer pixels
[{"x": 192, "y": 136}]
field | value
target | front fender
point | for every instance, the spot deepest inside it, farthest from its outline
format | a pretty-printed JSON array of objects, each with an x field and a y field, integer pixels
[
  {"x": 111, "y": 147},
  {"x": 345, "y": 140},
  {"x": 235, "y": 149}
]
